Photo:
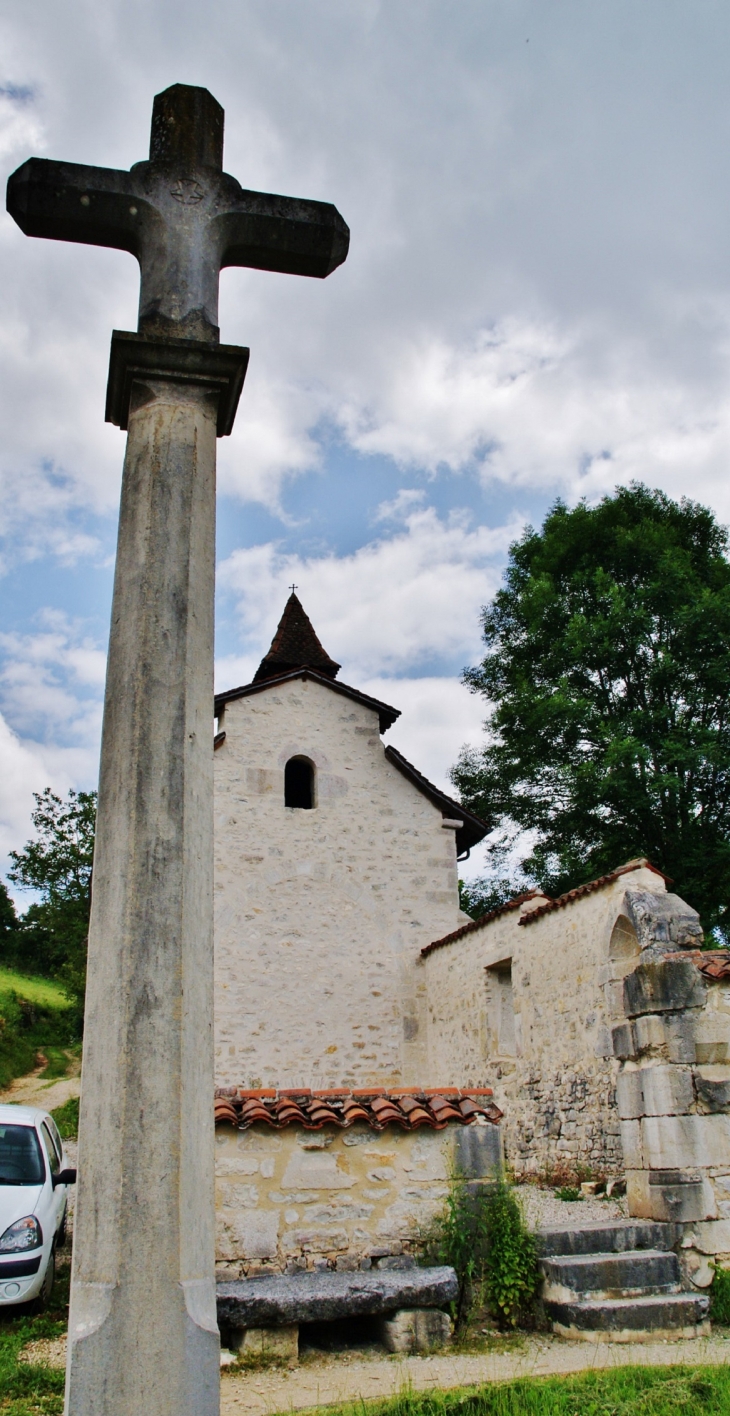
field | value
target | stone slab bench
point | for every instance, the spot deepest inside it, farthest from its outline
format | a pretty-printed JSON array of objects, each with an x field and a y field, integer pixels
[{"x": 284, "y": 1300}]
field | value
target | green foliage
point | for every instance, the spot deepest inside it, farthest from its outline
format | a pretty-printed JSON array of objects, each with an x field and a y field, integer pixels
[
  {"x": 53, "y": 933},
  {"x": 35, "y": 990},
  {"x": 482, "y": 1235},
  {"x": 622, "y": 1391},
  {"x": 607, "y": 674},
  {"x": 480, "y": 897},
  {"x": 568, "y": 1193},
  {"x": 720, "y": 1296},
  {"x": 66, "y": 1118},
  {"x": 30, "y": 1389},
  {"x": 26, "y": 1027}
]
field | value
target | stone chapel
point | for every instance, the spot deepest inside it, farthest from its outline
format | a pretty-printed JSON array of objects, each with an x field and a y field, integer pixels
[{"x": 370, "y": 1038}]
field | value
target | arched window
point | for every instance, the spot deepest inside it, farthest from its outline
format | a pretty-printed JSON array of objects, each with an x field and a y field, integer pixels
[{"x": 299, "y": 783}]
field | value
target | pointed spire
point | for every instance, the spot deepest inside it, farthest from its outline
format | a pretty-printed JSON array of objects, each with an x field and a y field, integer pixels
[{"x": 295, "y": 646}]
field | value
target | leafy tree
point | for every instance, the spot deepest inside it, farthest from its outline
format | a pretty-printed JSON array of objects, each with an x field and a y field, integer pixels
[
  {"x": 57, "y": 864},
  {"x": 8, "y": 925},
  {"x": 607, "y": 675}
]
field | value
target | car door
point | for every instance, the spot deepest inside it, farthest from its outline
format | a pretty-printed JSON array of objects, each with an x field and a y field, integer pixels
[{"x": 55, "y": 1160}]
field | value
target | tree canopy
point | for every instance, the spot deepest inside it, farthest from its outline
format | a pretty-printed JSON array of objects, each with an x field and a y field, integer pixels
[
  {"x": 52, "y": 934},
  {"x": 607, "y": 675}
]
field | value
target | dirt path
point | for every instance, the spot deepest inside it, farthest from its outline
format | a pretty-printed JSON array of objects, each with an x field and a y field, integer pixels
[
  {"x": 34, "y": 1090},
  {"x": 345, "y": 1378}
]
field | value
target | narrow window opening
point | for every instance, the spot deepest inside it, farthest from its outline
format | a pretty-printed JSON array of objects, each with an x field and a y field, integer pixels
[
  {"x": 501, "y": 1011},
  {"x": 299, "y": 783}
]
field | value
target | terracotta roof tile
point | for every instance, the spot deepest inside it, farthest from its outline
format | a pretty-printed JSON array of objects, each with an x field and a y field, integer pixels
[
  {"x": 713, "y": 963},
  {"x": 408, "y": 1107},
  {"x": 480, "y": 922},
  {"x": 589, "y": 887}
]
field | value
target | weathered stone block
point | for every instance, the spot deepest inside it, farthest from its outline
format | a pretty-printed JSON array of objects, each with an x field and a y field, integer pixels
[
  {"x": 649, "y": 1032},
  {"x": 670, "y": 1197},
  {"x": 281, "y": 1342},
  {"x": 679, "y": 1033},
  {"x": 479, "y": 1152},
  {"x": 712, "y": 1236},
  {"x": 631, "y": 1145},
  {"x": 712, "y": 1038},
  {"x": 667, "y": 1091},
  {"x": 416, "y": 1330},
  {"x": 663, "y": 986},
  {"x": 622, "y": 1039},
  {"x": 663, "y": 920},
  {"x": 672, "y": 1142},
  {"x": 713, "y": 1092},
  {"x": 322, "y": 1297},
  {"x": 629, "y": 1096}
]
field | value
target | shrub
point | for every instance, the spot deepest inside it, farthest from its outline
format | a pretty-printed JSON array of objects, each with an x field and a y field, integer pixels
[
  {"x": 482, "y": 1235},
  {"x": 720, "y": 1296}
]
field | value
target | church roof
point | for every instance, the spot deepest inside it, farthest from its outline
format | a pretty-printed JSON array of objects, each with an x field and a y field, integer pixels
[
  {"x": 471, "y": 831},
  {"x": 386, "y": 714},
  {"x": 295, "y": 646}
]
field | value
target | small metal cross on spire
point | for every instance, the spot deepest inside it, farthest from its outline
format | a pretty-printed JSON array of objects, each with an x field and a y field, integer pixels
[
  {"x": 293, "y": 587},
  {"x": 181, "y": 215}
]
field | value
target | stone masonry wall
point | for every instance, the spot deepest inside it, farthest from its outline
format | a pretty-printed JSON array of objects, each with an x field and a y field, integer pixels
[
  {"x": 320, "y": 915},
  {"x": 557, "y": 1089},
  {"x": 673, "y": 1089},
  {"x": 298, "y": 1199}
]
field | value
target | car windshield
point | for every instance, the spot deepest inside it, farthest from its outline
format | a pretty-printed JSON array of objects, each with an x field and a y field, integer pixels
[{"x": 21, "y": 1158}]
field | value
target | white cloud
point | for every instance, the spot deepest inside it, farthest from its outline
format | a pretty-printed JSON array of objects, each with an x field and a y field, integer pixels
[{"x": 393, "y": 604}]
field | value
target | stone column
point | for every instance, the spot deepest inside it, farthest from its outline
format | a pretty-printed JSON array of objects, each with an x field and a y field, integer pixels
[{"x": 143, "y": 1336}]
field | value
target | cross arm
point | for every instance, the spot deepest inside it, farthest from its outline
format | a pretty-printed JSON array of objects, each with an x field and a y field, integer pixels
[
  {"x": 285, "y": 234},
  {"x": 69, "y": 202}
]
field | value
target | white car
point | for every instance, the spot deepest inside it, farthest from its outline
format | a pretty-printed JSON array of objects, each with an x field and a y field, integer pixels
[{"x": 33, "y": 1201}]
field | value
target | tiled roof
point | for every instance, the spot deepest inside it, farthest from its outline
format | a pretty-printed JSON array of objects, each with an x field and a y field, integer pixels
[
  {"x": 588, "y": 889},
  {"x": 471, "y": 831},
  {"x": 295, "y": 646},
  {"x": 386, "y": 714},
  {"x": 480, "y": 922},
  {"x": 713, "y": 963},
  {"x": 409, "y": 1107}
]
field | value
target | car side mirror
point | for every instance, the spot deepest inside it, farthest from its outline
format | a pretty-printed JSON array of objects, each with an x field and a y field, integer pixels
[{"x": 64, "y": 1177}]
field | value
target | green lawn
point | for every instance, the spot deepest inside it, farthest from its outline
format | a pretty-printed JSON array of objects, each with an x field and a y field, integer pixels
[
  {"x": 29, "y": 1390},
  {"x": 625, "y": 1391},
  {"x": 36, "y": 990}
]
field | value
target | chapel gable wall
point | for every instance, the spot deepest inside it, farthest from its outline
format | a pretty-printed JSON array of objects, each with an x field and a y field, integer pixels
[{"x": 320, "y": 915}]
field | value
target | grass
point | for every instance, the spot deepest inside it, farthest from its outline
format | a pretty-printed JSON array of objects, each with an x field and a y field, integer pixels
[
  {"x": 66, "y": 1118},
  {"x": 36, "y": 990},
  {"x": 626, "y": 1391},
  {"x": 28, "y": 1390}
]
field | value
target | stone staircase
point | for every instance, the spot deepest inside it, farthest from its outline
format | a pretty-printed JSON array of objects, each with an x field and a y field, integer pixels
[{"x": 619, "y": 1282}]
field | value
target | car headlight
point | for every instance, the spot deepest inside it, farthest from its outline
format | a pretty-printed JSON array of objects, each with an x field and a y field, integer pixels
[{"x": 24, "y": 1234}]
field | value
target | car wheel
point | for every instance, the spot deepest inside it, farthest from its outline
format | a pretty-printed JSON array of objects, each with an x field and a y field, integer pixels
[{"x": 44, "y": 1297}]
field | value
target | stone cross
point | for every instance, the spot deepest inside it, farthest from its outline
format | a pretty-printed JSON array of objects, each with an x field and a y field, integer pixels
[{"x": 143, "y": 1336}]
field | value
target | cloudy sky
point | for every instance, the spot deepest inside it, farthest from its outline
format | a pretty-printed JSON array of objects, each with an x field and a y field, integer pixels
[{"x": 536, "y": 303}]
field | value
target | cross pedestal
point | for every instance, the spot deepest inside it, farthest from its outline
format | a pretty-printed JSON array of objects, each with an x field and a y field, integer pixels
[{"x": 143, "y": 1336}]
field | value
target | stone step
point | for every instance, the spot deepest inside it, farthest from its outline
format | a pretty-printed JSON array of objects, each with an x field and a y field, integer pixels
[
  {"x": 649, "y": 1318},
  {"x": 570, "y": 1277},
  {"x": 615, "y": 1238},
  {"x": 282, "y": 1300}
]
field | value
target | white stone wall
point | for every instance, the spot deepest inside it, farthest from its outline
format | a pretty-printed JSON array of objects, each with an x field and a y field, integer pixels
[
  {"x": 558, "y": 1089},
  {"x": 320, "y": 915},
  {"x": 297, "y": 1199}
]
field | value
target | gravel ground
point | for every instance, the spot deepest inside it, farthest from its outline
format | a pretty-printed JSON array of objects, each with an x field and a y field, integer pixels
[
  {"x": 542, "y": 1207},
  {"x": 354, "y": 1379}
]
